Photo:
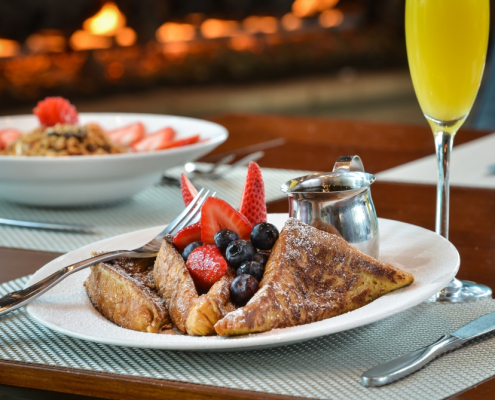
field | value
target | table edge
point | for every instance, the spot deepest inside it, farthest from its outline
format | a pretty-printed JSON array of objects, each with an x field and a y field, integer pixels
[{"x": 74, "y": 381}]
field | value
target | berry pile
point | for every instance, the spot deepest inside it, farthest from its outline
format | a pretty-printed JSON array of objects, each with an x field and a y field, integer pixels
[{"x": 227, "y": 238}]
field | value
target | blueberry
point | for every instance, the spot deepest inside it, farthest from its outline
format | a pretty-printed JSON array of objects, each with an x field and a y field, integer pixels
[
  {"x": 189, "y": 248},
  {"x": 264, "y": 236},
  {"x": 243, "y": 287},
  {"x": 261, "y": 258},
  {"x": 238, "y": 252},
  {"x": 252, "y": 268},
  {"x": 224, "y": 237}
]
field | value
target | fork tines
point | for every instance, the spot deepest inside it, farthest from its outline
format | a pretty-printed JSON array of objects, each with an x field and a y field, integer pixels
[{"x": 191, "y": 213}]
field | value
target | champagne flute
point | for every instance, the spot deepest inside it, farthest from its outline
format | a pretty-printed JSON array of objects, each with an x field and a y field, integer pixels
[{"x": 446, "y": 48}]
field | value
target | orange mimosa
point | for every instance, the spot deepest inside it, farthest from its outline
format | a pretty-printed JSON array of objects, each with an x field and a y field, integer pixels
[{"x": 446, "y": 47}]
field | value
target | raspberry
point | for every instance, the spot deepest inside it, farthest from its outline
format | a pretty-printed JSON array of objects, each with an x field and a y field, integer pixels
[
  {"x": 56, "y": 110},
  {"x": 206, "y": 266}
]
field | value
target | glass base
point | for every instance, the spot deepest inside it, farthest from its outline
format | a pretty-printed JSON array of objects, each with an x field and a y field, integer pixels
[{"x": 462, "y": 292}]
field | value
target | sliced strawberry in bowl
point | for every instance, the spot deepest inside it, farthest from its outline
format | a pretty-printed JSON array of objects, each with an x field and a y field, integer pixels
[
  {"x": 253, "y": 205},
  {"x": 183, "y": 142},
  {"x": 168, "y": 132},
  {"x": 55, "y": 110},
  {"x": 216, "y": 215},
  {"x": 8, "y": 136},
  {"x": 187, "y": 235},
  {"x": 188, "y": 190},
  {"x": 156, "y": 141},
  {"x": 127, "y": 135},
  {"x": 206, "y": 266}
]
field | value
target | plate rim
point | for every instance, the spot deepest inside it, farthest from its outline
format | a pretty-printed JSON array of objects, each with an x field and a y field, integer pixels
[{"x": 218, "y": 344}]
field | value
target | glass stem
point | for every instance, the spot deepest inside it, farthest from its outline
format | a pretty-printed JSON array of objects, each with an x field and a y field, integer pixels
[{"x": 443, "y": 146}]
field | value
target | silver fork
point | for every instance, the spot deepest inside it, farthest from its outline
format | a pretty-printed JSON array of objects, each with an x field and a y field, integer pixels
[{"x": 14, "y": 300}]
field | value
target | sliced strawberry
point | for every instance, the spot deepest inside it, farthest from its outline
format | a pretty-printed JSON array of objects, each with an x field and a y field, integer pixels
[
  {"x": 253, "y": 205},
  {"x": 216, "y": 215},
  {"x": 187, "y": 235},
  {"x": 182, "y": 142},
  {"x": 189, "y": 192},
  {"x": 56, "y": 110},
  {"x": 168, "y": 132},
  {"x": 127, "y": 135},
  {"x": 8, "y": 136},
  {"x": 156, "y": 141},
  {"x": 206, "y": 266}
]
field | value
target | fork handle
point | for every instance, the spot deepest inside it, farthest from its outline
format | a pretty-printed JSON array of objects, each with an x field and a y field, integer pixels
[{"x": 19, "y": 298}]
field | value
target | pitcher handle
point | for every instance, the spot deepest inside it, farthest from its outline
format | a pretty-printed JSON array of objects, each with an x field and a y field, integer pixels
[{"x": 348, "y": 163}]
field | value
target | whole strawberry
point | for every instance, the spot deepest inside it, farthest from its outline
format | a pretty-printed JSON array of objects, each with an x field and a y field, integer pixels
[
  {"x": 253, "y": 205},
  {"x": 206, "y": 266}
]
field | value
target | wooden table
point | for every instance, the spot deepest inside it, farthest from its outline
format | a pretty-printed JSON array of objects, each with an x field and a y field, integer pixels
[{"x": 312, "y": 144}]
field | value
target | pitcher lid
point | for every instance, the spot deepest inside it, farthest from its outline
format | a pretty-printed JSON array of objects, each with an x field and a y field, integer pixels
[
  {"x": 347, "y": 175},
  {"x": 326, "y": 182}
]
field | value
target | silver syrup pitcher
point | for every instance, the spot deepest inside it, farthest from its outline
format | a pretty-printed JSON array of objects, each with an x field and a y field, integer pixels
[{"x": 338, "y": 202}]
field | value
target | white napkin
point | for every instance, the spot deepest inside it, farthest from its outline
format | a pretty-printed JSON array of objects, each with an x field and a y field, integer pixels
[{"x": 471, "y": 166}]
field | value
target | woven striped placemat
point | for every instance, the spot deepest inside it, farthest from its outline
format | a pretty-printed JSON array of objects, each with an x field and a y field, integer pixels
[
  {"x": 325, "y": 368},
  {"x": 157, "y": 205}
]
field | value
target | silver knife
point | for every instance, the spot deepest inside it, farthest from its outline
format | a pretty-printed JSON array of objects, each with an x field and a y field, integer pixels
[
  {"x": 48, "y": 226},
  {"x": 402, "y": 366}
]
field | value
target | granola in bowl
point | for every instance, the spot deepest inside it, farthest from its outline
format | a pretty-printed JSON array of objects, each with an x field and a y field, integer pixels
[
  {"x": 64, "y": 140},
  {"x": 60, "y": 134}
]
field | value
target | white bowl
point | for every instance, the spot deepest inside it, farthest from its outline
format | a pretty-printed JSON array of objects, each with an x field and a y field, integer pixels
[{"x": 89, "y": 180}]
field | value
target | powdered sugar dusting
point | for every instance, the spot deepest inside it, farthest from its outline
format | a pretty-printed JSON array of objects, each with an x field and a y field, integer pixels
[{"x": 302, "y": 239}]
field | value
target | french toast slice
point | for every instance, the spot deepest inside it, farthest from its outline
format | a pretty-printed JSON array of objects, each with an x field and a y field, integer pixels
[
  {"x": 211, "y": 307},
  {"x": 189, "y": 312},
  {"x": 174, "y": 284},
  {"x": 311, "y": 275},
  {"x": 124, "y": 292}
]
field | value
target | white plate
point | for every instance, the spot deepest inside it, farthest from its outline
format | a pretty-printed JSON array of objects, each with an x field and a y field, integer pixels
[
  {"x": 66, "y": 308},
  {"x": 87, "y": 180}
]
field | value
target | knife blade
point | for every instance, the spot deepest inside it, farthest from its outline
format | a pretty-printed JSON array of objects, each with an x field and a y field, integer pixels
[
  {"x": 48, "y": 226},
  {"x": 406, "y": 364}
]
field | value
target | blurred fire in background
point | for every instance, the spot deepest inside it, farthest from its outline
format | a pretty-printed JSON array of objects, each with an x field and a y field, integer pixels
[{"x": 89, "y": 47}]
